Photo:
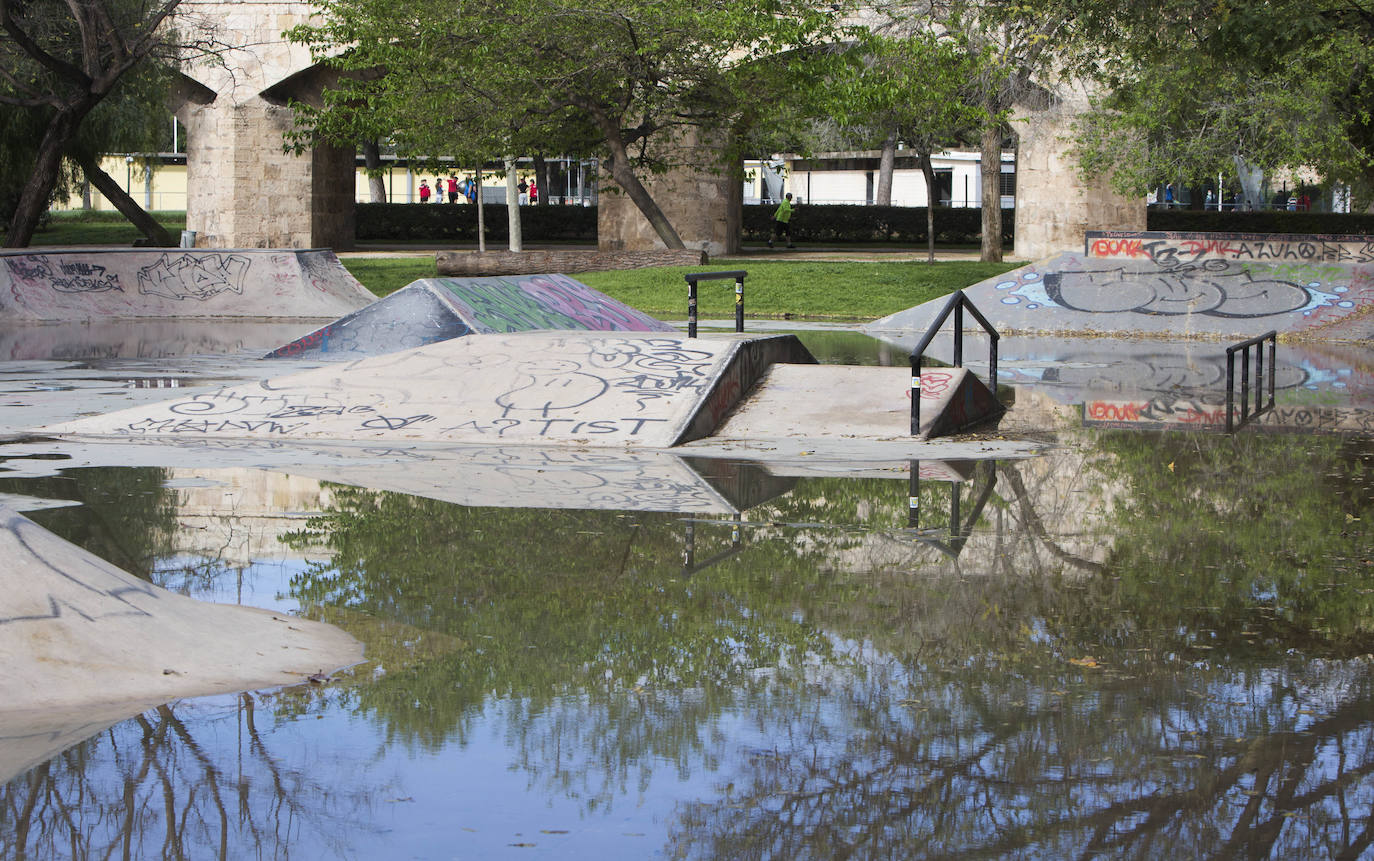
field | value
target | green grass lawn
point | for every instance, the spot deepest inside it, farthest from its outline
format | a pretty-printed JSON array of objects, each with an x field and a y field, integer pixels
[
  {"x": 101, "y": 228},
  {"x": 817, "y": 291},
  {"x": 827, "y": 291},
  {"x": 774, "y": 289}
]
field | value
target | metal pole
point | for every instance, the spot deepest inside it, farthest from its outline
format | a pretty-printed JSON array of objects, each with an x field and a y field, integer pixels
[
  {"x": 1245, "y": 384},
  {"x": 992, "y": 365},
  {"x": 913, "y": 500},
  {"x": 915, "y": 395},
  {"x": 1230, "y": 388},
  {"x": 1273, "y": 348},
  {"x": 739, "y": 304},
  {"x": 691, "y": 308}
]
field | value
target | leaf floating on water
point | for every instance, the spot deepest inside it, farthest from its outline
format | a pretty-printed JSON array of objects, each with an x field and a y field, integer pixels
[
  {"x": 1171, "y": 466},
  {"x": 1089, "y": 662}
]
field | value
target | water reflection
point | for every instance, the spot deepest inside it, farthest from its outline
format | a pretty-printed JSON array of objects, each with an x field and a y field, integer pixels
[{"x": 1144, "y": 645}]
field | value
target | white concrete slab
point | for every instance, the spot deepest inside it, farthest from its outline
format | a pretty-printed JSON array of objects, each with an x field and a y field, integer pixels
[
  {"x": 594, "y": 389},
  {"x": 77, "y": 631}
]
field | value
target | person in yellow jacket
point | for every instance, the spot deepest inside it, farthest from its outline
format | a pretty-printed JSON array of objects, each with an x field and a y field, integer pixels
[{"x": 782, "y": 221}]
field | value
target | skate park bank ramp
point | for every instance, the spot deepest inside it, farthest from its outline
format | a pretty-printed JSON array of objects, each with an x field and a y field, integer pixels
[
  {"x": 119, "y": 283},
  {"x": 436, "y": 309},
  {"x": 593, "y": 389},
  {"x": 1181, "y": 285},
  {"x": 78, "y": 632}
]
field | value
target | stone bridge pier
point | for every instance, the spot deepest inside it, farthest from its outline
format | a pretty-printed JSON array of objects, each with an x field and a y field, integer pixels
[
  {"x": 243, "y": 189},
  {"x": 246, "y": 191}
]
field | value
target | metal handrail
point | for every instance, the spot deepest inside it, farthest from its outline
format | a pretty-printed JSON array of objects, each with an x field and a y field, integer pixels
[
  {"x": 956, "y": 305},
  {"x": 694, "y": 277},
  {"x": 1244, "y": 349}
]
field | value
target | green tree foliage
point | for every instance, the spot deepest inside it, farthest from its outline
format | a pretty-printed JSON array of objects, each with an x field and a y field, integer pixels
[
  {"x": 914, "y": 88},
  {"x": 1192, "y": 87},
  {"x": 487, "y": 78},
  {"x": 58, "y": 63}
]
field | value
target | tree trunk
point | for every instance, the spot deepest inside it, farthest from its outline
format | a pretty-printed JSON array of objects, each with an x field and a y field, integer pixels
[
  {"x": 928, "y": 171},
  {"x": 624, "y": 176},
  {"x": 885, "y": 164},
  {"x": 372, "y": 160},
  {"x": 513, "y": 205},
  {"x": 157, "y": 234},
  {"x": 990, "y": 151},
  {"x": 37, "y": 191},
  {"x": 541, "y": 179}
]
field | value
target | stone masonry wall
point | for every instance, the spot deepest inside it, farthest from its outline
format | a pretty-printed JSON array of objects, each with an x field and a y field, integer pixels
[
  {"x": 702, "y": 197},
  {"x": 1054, "y": 206}
]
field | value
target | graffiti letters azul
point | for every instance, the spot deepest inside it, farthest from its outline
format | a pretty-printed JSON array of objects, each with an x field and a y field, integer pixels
[
  {"x": 1168, "y": 249},
  {"x": 199, "y": 277},
  {"x": 70, "y": 276}
]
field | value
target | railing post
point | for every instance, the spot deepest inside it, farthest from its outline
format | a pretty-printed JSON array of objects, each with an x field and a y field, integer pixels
[
  {"x": 1273, "y": 350},
  {"x": 992, "y": 365},
  {"x": 915, "y": 395},
  {"x": 1230, "y": 390},
  {"x": 1245, "y": 384},
  {"x": 913, "y": 498},
  {"x": 739, "y": 302},
  {"x": 691, "y": 307}
]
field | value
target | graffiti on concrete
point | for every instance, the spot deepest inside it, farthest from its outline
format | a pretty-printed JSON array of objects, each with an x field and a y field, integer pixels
[
  {"x": 36, "y": 271},
  {"x": 89, "y": 598},
  {"x": 523, "y": 386},
  {"x": 1155, "y": 412},
  {"x": 542, "y": 302},
  {"x": 1213, "y": 288},
  {"x": 1171, "y": 249},
  {"x": 405, "y": 319},
  {"x": 199, "y": 276}
]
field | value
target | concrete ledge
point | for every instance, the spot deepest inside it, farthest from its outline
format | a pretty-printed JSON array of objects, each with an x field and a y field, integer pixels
[
  {"x": 469, "y": 263},
  {"x": 77, "y": 632},
  {"x": 132, "y": 283}
]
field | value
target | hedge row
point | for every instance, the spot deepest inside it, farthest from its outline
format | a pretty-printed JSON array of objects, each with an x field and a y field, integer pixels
[
  {"x": 1261, "y": 221},
  {"x": 820, "y": 223},
  {"x": 458, "y": 222},
  {"x": 904, "y": 224}
]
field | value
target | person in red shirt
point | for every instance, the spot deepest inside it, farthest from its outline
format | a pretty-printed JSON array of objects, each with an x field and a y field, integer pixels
[
  {"x": 453, "y": 188},
  {"x": 424, "y": 191}
]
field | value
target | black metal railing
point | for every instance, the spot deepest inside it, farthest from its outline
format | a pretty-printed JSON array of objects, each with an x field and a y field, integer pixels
[
  {"x": 694, "y": 277},
  {"x": 956, "y": 305},
  {"x": 1260, "y": 407},
  {"x": 959, "y": 528}
]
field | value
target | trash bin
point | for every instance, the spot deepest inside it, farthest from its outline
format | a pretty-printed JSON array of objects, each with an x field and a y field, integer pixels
[{"x": 188, "y": 239}]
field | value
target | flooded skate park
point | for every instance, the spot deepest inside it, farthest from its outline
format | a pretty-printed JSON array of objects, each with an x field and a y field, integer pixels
[{"x": 509, "y": 570}]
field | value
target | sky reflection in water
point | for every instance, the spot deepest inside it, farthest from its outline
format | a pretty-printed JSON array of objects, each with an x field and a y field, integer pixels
[{"x": 1149, "y": 645}]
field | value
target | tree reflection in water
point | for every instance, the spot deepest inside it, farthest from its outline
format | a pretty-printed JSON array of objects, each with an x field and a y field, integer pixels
[
  {"x": 1147, "y": 646},
  {"x": 159, "y": 785}
]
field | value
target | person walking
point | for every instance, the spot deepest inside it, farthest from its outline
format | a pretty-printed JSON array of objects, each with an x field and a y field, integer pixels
[
  {"x": 782, "y": 221},
  {"x": 424, "y": 191}
]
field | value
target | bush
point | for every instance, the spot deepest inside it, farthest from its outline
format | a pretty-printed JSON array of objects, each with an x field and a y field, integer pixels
[
  {"x": 1260, "y": 221},
  {"x": 903, "y": 224},
  {"x": 458, "y": 222}
]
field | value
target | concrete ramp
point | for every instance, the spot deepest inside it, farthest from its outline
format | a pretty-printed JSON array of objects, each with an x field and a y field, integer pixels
[
  {"x": 77, "y": 631},
  {"x": 1213, "y": 285},
  {"x": 119, "y": 283},
  {"x": 619, "y": 389},
  {"x": 436, "y": 309},
  {"x": 859, "y": 402}
]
